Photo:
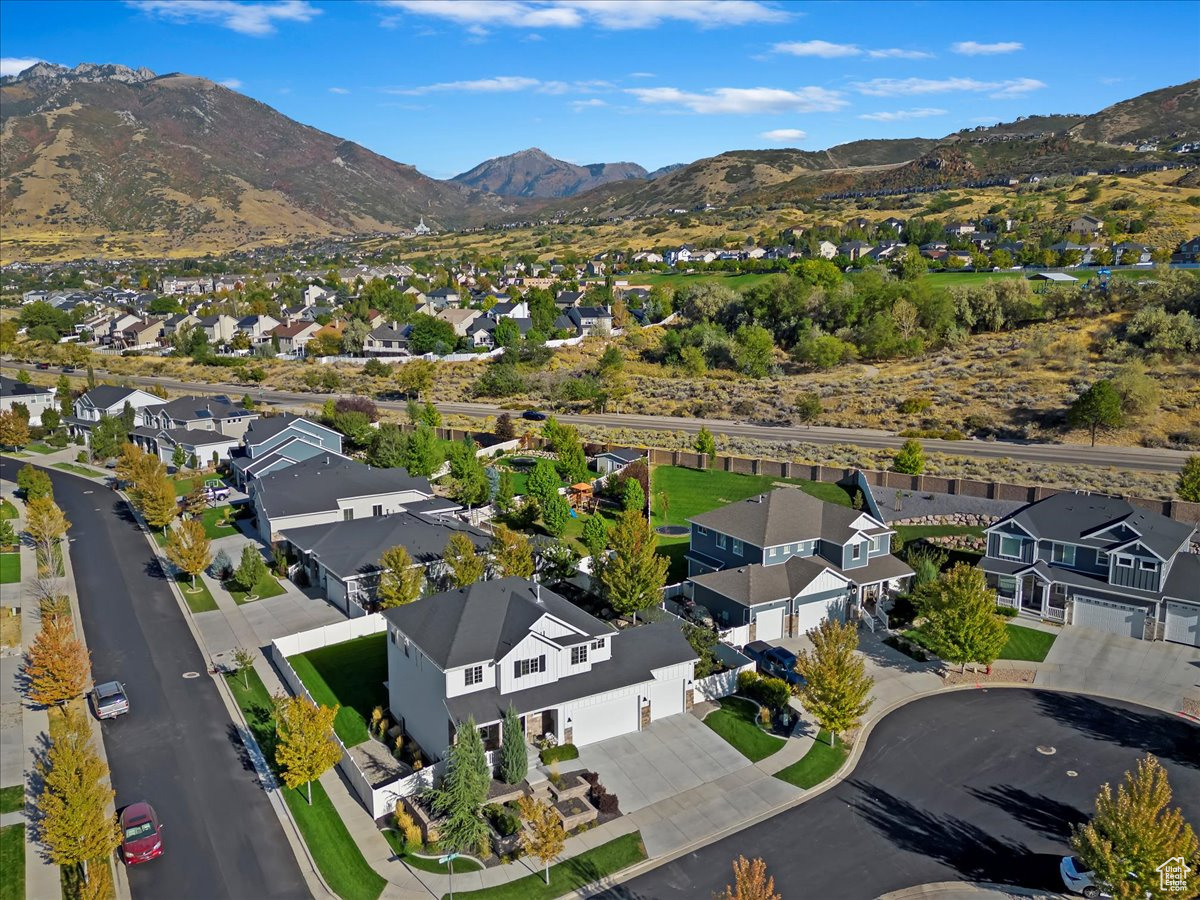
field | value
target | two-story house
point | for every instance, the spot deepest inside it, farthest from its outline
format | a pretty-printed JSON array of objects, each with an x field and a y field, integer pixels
[
  {"x": 219, "y": 329},
  {"x": 389, "y": 339},
  {"x": 35, "y": 398},
  {"x": 276, "y": 442},
  {"x": 257, "y": 328},
  {"x": 1098, "y": 562},
  {"x": 482, "y": 332},
  {"x": 107, "y": 400},
  {"x": 777, "y": 564},
  {"x": 475, "y": 651},
  {"x": 208, "y": 429},
  {"x": 585, "y": 321},
  {"x": 294, "y": 336},
  {"x": 330, "y": 488}
]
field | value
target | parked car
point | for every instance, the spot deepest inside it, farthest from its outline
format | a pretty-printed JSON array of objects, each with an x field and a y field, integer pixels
[
  {"x": 1078, "y": 880},
  {"x": 534, "y": 415},
  {"x": 69, "y": 369},
  {"x": 141, "y": 834},
  {"x": 781, "y": 663},
  {"x": 757, "y": 651},
  {"x": 217, "y": 495},
  {"x": 109, "y": 700}
]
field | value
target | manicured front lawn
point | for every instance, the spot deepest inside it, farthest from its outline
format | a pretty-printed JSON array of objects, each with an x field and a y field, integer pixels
[
  {"x": 12, "y": 798},
  {"x": 210, "y": 519},
  {"x": 570, "y": 874},
  {"x": 39, "y": 448},
  {"x": 737, "y": 722},
  {"x": 350, "y": 674},
  {"x": 10, "y": 568},
  {"x": 12, "y": 862},
  {"x": 199, "y": 599},
  {"x": 78, "y": 470},
  {"x": 1027, "y": 643},
  {"x": 7, "y": 510},
  {"x": 267, "y": 587},
  {"x": 820, "y": 762},
  {"x": 337, "y": 856},
  {"x": 424, "y": 863}
]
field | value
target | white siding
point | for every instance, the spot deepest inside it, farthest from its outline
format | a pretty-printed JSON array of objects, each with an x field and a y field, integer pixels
[
  {"x": 456, "y": 679},
  {"x": 530, "y": 647},
  {"x": 364, "y": 506},
  {"x": 826, "y": 581},
  {"x": 416, "y": 692}
]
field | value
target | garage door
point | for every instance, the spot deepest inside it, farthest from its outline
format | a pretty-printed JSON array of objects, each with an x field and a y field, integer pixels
[
  {"x": 770, "y": 624},
  {"x": 810, "y": 615},
  {"x": 605, "y": 720},
  {"x": 666, "y": 698},
  {"x": 1110, "y": 617},
  {"x": 1183, "y": 624}
]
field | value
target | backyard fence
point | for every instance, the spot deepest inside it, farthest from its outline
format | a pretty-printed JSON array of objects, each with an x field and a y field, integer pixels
[{"x": 723, "y": 683}]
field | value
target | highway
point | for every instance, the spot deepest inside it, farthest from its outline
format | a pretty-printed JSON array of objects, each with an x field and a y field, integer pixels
[{"x": 1141, "y": 458}]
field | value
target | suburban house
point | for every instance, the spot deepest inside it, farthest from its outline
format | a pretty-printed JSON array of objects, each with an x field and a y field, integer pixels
[
  {"x": 1086, "y": 225},
  {"x": 294, "y": 337},
  {"x": 140, "y": 335},
  {"x": 475, "y": 651},
  {"x": 444, "y": 298},
  {"x": 219, "y": 329},
  {"x": 481, "y": 332},
  {"x": 208, "y": 429},
  {"x": 777, "y": 564},
  {"x": 826, "y": 249},
  {"x": 200, "y": 448},
  {"x": 257, "y": 328},
  {"x": 172, "y": 324},
  {"x": 585, "y": 321},
  {"x": 342, "y": 558},
  {"x": 459, "y": 319},
  {"x": 330, "y": 488},
  {"x": 276, "y": 442},
  {"x": 387, "y": 340},
  {"x": 107, "y": 400},
  {"x": 612, "y": 461},
  {"x": 35, "y": 399},
  {"x": 1100, "y": 563}
]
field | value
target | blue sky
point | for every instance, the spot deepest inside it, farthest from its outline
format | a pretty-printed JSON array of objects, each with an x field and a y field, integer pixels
[{"x": 445, "y": 84}]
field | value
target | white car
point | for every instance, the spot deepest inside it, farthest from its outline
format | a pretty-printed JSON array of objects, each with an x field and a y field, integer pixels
[{"x": 1078, "y": 880}]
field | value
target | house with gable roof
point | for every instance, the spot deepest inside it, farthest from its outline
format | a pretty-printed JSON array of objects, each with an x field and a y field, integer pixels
[
  {"x": 276, "y": 442},
  {"x": 107, "y": 400}
]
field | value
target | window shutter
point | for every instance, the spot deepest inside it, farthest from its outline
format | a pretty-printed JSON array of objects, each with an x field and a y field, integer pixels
[
  {"x": 542, "y": 663},
  {"x": 517, "y": 669}
]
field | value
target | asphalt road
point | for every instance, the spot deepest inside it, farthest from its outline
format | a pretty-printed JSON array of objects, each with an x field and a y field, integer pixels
[
  {"x": 1143, "y": 458},
  {"x": 177, "y": 747},
  {"x": 950, "y": 788}
]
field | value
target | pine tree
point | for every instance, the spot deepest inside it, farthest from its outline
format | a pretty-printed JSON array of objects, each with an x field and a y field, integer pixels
[
  {"x": 632, "y": 578},
  {"x": 74, "y": 823},
  {"x": 179, "y": 457},
  {"x": 1188, "y": 485},
  {"x": 836, "y": 683},
  {"x": 422, "y": 452},
  {"x": 57, "y": 667},
  {"x": 159, "y": 505},
  {"x": 512, "y": 553},
  {"x": 750, "y": 882},
  {"x": 1134, "y": 833},
  {"x": 462, "y": 562},
  {"x": 463, "y": 790},
  {"x": 961, "y": 622},
  {"x": 307, "y": 747},
  {"x": 910, "y": 459},
  {"x": 188, "y": 547},
  {"x": 544, "y": 836},
  {"x": 514, "y": 760},
  {"x": 705, "y": 443},
  {"x": 400, "y": 581}
]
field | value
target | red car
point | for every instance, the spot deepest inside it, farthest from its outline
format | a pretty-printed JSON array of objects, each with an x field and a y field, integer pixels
[{"x": 141, "y": 834}]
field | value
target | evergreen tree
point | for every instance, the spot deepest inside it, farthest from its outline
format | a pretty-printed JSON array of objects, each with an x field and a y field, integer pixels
[
  {"x": 595, "y": 535},
  {"x": 423, "y": 452},
  {"x": 430, "y": 416},
  {"x": 705, "y": 444},
  {"x": 1188, "y": 485},
  {"x": 251, "y": 569},
  {"x": 307, "y": 747},
  {"x": 504, "y": 491},
  {"x": 512, "y": 553},
  {"x": 57, "y": 668},
  {"x": 464, "y": 565},
  {"x": 401, "y": 581},
  {"x": 514, "y": 760},
  {"x": 179, "y": 457},
  {"x": 961, "y": 622},
  {"x": 388, "y": 447},
  {"x": 836, "y": 683},
  {"x": 910, "y": 459},
  {"x": 461, "y": 795},
  {"x": 632, "y": 578},
  {"x": 632, "y": 495}
]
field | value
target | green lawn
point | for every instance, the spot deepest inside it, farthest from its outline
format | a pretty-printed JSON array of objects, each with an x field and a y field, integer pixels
[
  {"x": 731, "y": 281},
  {"x": 40, "y": 448},
  {"x": 337, "y": 856},
  {"x": 1027, "y": 643},
  {"x": 909, "y": 533},
  {"x": 694, "y": 491},
  {"x": 199, "y": 601},
  {"x": 78, "y": 470},
  {"x": 7, "y": 510},
  {"x": 12, "y": 862},
  {"x": 737, "y": 722},
  {"x": 209, "y": 519},
  {"x": 267, "y": 587},
  {"x": 10, "y": 568},
  {"x": 424, "y": 863},
  {"x": 570, "y": 874},
  {"x": 12, "y": 798},
  {"x": 186, "y": 484},
  {"x": 820, "y": 762},
  {"x": 350, "y": 674}
]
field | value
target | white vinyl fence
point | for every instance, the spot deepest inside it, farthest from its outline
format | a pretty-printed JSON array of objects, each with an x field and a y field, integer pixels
[{"x": 723, "y": 683}]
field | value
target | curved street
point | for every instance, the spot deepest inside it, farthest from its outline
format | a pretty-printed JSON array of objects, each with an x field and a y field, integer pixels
[{"x": 952, "y": 787}]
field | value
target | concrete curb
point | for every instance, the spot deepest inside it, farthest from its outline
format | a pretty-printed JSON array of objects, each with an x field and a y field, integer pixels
[{"x": 956, "y": 890}]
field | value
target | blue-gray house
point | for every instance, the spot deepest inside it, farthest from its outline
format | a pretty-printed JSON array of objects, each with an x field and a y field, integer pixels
[
  {"x": 277, "y": 442},
  {"x": 777, "y": 564},
  {"x": 1098, "y": 562}
]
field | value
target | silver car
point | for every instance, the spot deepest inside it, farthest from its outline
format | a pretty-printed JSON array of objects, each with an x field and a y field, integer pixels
[{"x": 109, "y": 700}]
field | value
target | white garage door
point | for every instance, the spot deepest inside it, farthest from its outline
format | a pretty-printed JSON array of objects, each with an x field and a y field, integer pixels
[
  {"x": 1183, "y": 624},
  {"x": 770, "y": 624},
  {"x": 666, "y": 698},
  {"x": 1110, "y": 617},
  {"x": 605, "y": 720},
  {"x": 810, "y": 615}
]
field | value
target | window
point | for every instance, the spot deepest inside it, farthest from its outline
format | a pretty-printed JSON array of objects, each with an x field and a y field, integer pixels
[
  {"x": 347, "y": 515},
  {"x": 377, "y": 510},
  {"x": 701, "y": 530},
  {"x": 598, "y": 644},
  {"x": 523, "y": 667},
  {"x": 1124, "y": 562},
  {"x": 737, "y": 547},
  {"x": 773, "y": 551},
  {"x": 1147, "y": 565},
  {"x": 1102, "y": 559},
  {"x": 1063, "y": 553},
  {"x": 1006, "y": 586},
  {"x": 474, "y": 675},
  {"x": 579, "y": 655},
  {"x": 721, "y": 541},
  {"x": 874, "y": 544},
  {"x": 1010, "y": 547},
  {"x": 856, "y": 551}
]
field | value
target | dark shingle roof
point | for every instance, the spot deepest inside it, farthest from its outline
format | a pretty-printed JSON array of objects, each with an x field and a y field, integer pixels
[
  {"x": 10, "y": 387},
  {"x": 190, "y": 409},
  {"x": 1184, "y": 580},
  {"x": 1078, "y": 519},
  {"x": 784, "y": 516},
  {"x": 106, "y": 396},
  {"x": 485, "y": 620},
  {"x": 624, "y": 456},
  {"x": 316, "y": 485}
]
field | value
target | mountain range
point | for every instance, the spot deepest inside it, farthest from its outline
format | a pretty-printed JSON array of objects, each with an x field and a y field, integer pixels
[{"x": 124, "y": 159}]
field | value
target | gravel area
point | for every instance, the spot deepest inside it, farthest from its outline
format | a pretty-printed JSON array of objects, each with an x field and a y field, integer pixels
[
  {"x": 998, "y": 675},
  {"x": 921, "y": 503}
]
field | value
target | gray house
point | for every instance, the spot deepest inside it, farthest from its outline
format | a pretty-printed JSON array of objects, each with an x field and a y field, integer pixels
[
  {"x": 207, "y": 428},
  {"x": 1098, "y": 562},
  {"x": 277, "y": 442},
  {"x": 34, "y": 398},
  {"x": 777, "y": 564}
]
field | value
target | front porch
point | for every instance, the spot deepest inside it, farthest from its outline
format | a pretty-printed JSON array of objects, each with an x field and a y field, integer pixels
[
  {"x": 1031, "y": 595},
  {"x": 872, "y": 601}
]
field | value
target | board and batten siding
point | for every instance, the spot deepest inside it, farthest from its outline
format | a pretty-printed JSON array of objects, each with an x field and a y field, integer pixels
[{"x": 530, "y": 647}]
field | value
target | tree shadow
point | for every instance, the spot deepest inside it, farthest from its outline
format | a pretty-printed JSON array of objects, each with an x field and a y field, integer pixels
[
  {"x": 1050, "y": 818},
  {"x": 234, "y": 735},
  {"x": 154, "y": 569},
  {"x": 1149, "y": 731},
  {"x": 35, "y": 786},
  {"x": 872, "y": 647}
]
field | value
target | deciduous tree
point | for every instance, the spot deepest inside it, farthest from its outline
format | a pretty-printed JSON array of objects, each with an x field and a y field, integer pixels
[
  {"x": 632, "y": 578},
  {"x": 400, "y": 580},
  {"x": 57, "y": 667},
  {"x": 464, "y": 565},
  {"x": 463, "y": 790},
  {"x": 595, "y": 535},
  {"x": 251, "y": 569},
  {"x": 158, "y": 502},
  {"x": 555, "y": 515},
  {"x": 836, "y": 683},
  {"x": 543, "y": 482},
  {"x": 46, "y": 525},
  {"x": 188, "y": 547},
  {"x": 543, "y": 836},
  {"x": 705, "y": 443},
  {"x": 512, "y": 554},
  {"x": 961, "y": 622},
  {"x": 1097, "y": 407},
  {"x": 34, "y": 483},
  {"x": 307, "y": 747},
  {"x": 14, "y": 429},
  {"x": 243, "y": 660},
  {"x": 750, "y": 882}
]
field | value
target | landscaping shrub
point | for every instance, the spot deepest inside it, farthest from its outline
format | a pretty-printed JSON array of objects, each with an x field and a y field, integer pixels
[
  {"x": 407, "y": 826},
  {"x": 605, "y": 802},
  {"x": 1008, "y": 612},
  {"x": 559, "y": 753},
  {"x": 503, "y": 819},
  {"x": 773, "y": 693}
]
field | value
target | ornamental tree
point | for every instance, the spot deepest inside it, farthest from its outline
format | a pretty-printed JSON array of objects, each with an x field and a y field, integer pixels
[
  {"x": 401, "y": 580},
  {"x": 307, "y": 747},
  {"x": 188, "y": 548},
  {"x": 463, "y": 564},
  {"x": 961, "y": 622},
  {"x": 836, "y": 683},
  {"x": 632, "y": 578},
  {"x": 57, "y": 667}
]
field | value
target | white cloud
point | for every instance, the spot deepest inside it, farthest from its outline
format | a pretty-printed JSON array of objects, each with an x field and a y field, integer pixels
[
  {"x": 505, "y": 84},
  {"x": 255, "y": 19},
  {"x": 743, "y": 101},
  {"x": 898, "y": 53},
  {"x": 338, "y": 90},
  {"x": 903, "y": 87},
  {"x": 592, "y": 103},
  {"x": 783, "y": 135},
  {"x": 14, "y": 65},
  {"x": 641, "y": 75},
  {"x": 823, "y": 49},
  {"x": 614, "y": 15},
  {"x": 901, "y": 114},
  {"x": 232, "y": 83},
  {"x": 972, "y": 48}
]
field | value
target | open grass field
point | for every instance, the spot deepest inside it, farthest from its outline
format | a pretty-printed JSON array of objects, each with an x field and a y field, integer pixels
[
  {"x": 737, "y": 722},
  {"x": 350, "y": 674}
]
